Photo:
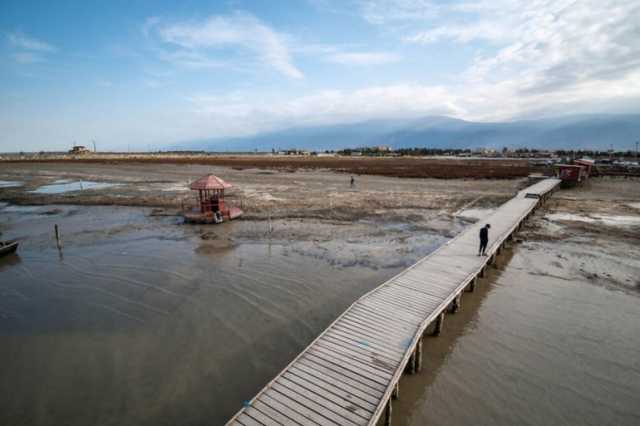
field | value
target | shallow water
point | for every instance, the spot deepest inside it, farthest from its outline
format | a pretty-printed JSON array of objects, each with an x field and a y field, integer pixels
[
  {"x": 140, "y": 321},
  {"x": 611, "y": 220},
  {"x": 62, "y": 186},
  {"x": 10, "y": 184},
  {"x": 530, "y": 351}
]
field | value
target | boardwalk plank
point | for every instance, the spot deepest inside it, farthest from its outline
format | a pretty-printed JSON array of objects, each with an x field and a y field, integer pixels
[
  {"x": 351, "y": 371},
  {"x": 379, "y": 344},
  {"x": 286, "y": 409},
  {"x": 339, "y": 400},
  {"x": 280, "y": 417},
  {"x": 367, "y": 349},
  {"x": 343, "y": 375},
  {"x": 314, "y": 375},
  {"x": 289, "y": 399},
  {"x": 317, "y": 403}
]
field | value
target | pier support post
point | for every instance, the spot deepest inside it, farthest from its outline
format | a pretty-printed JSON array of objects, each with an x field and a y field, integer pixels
[
  {"x": 456, "y": 303},
  {"x": 472, "y": 285},
  {"x": 419, "y": 356},
  {"x": 482, "y": 272},
  {"x": 395, "y": 394},
  {"x": 411, "y": 365},
  {"x": 387, "y": 413},
  {"x": 439, "y": 324}
]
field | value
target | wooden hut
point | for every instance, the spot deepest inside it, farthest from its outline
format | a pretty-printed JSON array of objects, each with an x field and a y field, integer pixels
[{"x": 211, "y": 206}]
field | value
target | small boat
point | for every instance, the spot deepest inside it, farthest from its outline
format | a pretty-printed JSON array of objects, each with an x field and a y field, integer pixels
[{"x": 7, "y": 247}]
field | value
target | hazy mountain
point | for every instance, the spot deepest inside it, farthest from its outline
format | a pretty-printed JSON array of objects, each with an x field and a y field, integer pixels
[{"x": 572, "y": 132}]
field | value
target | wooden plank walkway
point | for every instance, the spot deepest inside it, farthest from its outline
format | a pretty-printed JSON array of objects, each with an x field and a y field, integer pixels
[{"x": 349, "y": 374}]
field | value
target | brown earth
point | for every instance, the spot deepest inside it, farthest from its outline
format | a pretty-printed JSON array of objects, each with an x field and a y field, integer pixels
[{"x": 413, "y": 167}]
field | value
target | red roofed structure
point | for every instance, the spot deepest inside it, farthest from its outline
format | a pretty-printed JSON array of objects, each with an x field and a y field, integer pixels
[
  {"x": 211, "y": 205},
  {"x": 209, "y": 182}
]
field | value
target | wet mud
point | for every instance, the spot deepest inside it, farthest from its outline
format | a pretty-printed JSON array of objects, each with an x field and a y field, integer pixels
[{"x": 140, "y": 319}]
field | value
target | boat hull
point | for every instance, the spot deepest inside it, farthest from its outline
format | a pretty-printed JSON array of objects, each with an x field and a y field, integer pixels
[{"x": 8, "y": 247}]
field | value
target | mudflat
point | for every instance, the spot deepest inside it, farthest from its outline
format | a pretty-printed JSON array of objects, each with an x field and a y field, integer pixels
[{"x": 140, "y": 319}]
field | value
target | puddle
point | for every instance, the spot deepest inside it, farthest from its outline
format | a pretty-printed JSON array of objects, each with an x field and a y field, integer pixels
[
  {"x": 599, "y": 219},
  {"x": 10, "y": 183},
  {"x": 20, "y": 209},
  {"x": 61, "y": 186}
]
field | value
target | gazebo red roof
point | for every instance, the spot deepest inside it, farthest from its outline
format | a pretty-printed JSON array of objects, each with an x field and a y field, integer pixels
[{"x": 210, "y": 182}]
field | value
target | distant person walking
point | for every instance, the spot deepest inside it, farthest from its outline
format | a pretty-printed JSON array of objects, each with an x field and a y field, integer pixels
[
  {"x": 353, "y": 182},
  {"x": 484, "y": 239}
]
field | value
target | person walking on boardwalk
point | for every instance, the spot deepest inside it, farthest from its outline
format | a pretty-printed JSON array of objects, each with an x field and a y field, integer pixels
[
  {"x": 353, "y": 182},
  {"x": 484, "y": 239}
]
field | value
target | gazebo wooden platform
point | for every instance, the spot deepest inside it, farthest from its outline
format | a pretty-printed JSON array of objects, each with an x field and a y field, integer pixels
[{"x": 211, "y": 206}]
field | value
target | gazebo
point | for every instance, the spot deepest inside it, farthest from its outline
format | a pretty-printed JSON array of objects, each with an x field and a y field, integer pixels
[{"x": 211, "y": 205}]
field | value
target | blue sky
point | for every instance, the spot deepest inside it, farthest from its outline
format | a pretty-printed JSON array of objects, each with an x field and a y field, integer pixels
[{"x": 147, "y": 74}]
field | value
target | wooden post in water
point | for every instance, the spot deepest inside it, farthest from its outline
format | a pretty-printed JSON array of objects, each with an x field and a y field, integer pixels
[
  {"x": 439, "y": 324},
  {"x": 58, "y": 239},
  {"x": 419, "y": 355},
  {"x": 411, "y": 365},
  {"x": 395, "y": 394},
  {"x": 456, "y": 303},
  {"x": 472, "y": 285},
  {"x": 387, "y": 413}
]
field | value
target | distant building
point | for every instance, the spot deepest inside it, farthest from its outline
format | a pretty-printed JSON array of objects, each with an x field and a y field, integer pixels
[{"x": 79, "y": 149}]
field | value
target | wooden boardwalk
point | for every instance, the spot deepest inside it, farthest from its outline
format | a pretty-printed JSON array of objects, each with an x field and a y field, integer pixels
[{"x": 350, "y": 373}]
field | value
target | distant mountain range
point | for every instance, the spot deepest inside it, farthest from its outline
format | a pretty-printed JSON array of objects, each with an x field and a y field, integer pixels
[{"x": 598, "y": 132}]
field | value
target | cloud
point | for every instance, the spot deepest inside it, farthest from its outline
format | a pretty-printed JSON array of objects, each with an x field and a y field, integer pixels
[
  {"x": 148, "y": 25},
  {"x": 28, "y": 50},
  {"x": 104, "y": 83},
  {"x": 27, "y": 58},
  {"x": 239, "y": 31},
  {"x": 544, "y": 57},
  {"x": 545, "y": 47},
  {"x": 384, "y": 12},
  {"x": 21, "y": 41},
  {"x": 364, "y": 58},
  {"x": 247, "y": 113}
]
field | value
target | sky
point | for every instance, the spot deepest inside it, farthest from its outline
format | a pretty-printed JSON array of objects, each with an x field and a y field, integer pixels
[{"x": 143, "y": 75}]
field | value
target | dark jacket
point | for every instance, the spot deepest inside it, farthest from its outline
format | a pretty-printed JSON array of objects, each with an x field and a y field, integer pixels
[{"x": 484, "y": 234}]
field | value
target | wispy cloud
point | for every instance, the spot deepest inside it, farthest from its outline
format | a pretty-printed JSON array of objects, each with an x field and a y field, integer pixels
[
  {"x": 27, "y": 57},
  {"x": 28, "y": 50},
  {"x": 21, "y": 41},
  {"x": 364, "y": 58},
  {"x": 394, "y": 11},
  {"x": 203, "y": 42}
]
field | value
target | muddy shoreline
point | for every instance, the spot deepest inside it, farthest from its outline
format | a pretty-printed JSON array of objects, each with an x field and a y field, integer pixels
[
  {"x": 262, "y": 194},
  {"x": 163, "y": 323}
]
